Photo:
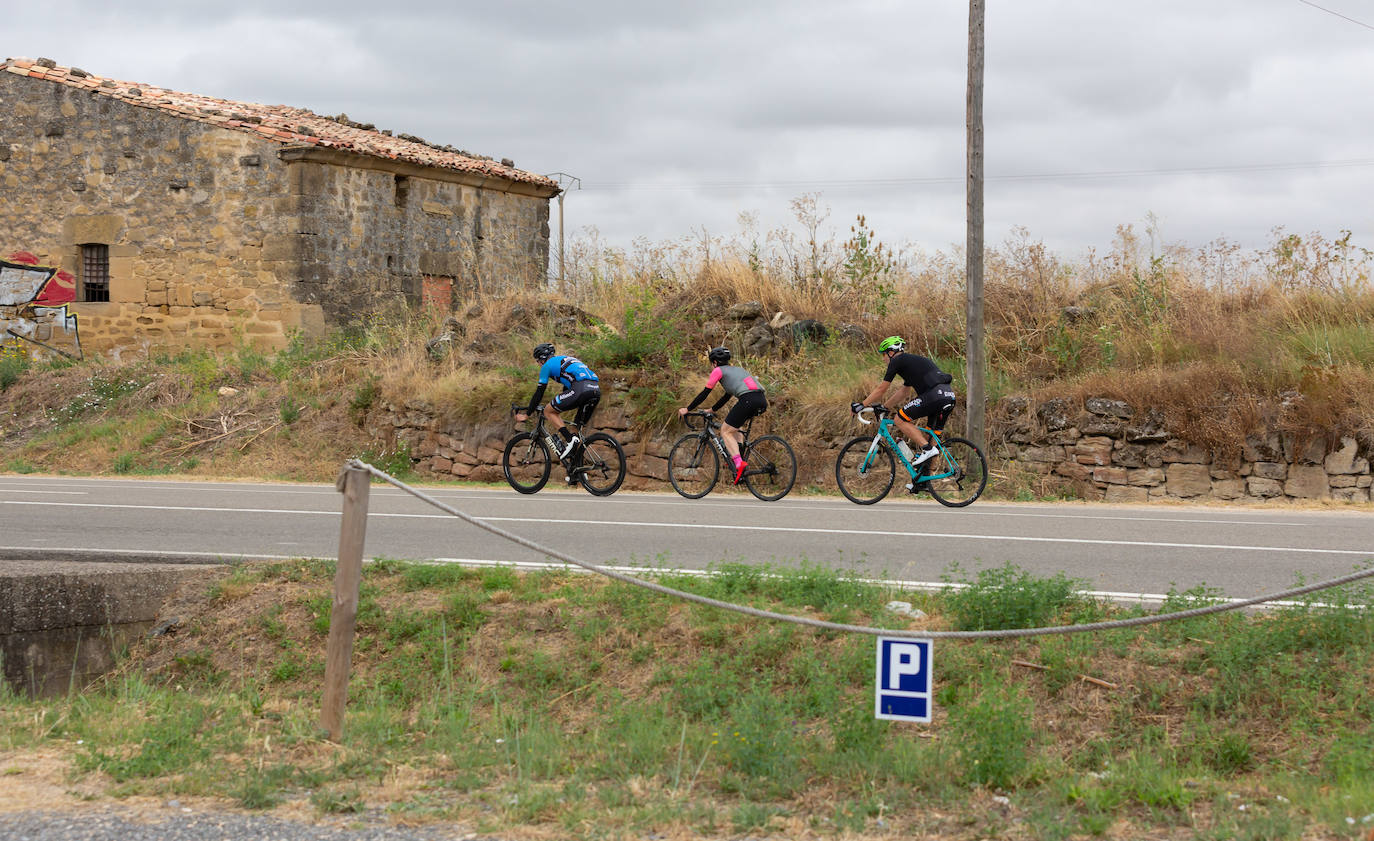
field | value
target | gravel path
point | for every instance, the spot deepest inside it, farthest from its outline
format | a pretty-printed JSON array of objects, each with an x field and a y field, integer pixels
[{"x": 107, "y": 824}]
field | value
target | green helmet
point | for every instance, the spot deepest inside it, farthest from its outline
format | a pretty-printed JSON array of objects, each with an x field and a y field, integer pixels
[{"x": 892, "y": 343}]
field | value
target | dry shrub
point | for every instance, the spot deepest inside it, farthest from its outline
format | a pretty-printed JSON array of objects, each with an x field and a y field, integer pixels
[
  {"x": 1216, "y": 405},
  {"x": 1336, "y": 400},
  {"x": 1211, "y": 405}
]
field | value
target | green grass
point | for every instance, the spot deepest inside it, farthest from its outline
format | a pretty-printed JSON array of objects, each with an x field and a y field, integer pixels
[
  {"x": 556, "y": 701},
  {"x": 1006, "y": 597}
]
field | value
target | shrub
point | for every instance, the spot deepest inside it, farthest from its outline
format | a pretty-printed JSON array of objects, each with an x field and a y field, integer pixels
[
  {"x": 13, "y": 363},
  {"x": 1007, "y": 597}
]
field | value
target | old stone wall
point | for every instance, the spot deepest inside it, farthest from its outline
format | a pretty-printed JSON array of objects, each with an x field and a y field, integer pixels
[
  {"x": 1113, "y": 452},
  {"x": 373, "y": 236},
  {"x": 184, "y": 207},
  {"x": 217, "y": 236},
  {"x": 1104, "y": 449}
]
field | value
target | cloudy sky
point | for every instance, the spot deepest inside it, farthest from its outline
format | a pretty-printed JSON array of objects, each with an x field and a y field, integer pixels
[{"x": 1218, "y": 119}]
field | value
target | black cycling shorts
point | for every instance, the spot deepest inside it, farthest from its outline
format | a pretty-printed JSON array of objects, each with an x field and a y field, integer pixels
[
  {"x": 582, "y": 395},
  {"x": 935, "y": 404},
  {"x": 747, "y": 406}
]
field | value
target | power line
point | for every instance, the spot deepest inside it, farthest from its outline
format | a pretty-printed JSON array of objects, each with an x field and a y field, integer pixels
[
  {"x": 619, "y": 186},
  {"x": 1337, "y": 14}
]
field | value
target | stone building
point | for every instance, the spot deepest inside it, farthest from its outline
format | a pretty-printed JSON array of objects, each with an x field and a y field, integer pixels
[{"x": 134, "y": 218}]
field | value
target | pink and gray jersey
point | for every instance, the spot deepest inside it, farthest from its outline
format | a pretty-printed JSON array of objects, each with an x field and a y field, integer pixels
[{"x": 734, "y": 380}]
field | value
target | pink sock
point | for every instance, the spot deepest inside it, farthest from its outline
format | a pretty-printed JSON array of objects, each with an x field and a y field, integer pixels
[{"x": 738, "y": 461}]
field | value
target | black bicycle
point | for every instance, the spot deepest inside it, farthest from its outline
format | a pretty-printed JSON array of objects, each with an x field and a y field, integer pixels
[
  {"x": 597, "y": 463},
  {"x": 694, "y": 461}
]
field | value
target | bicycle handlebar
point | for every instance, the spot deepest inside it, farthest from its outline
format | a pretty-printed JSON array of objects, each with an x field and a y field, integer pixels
[
  {"x": 876, "y": 411},
  {"x": 706, "y": 417}
]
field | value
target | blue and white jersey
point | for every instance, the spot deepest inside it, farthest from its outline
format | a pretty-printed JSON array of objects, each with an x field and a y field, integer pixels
[{"x": 566, "y": 370}]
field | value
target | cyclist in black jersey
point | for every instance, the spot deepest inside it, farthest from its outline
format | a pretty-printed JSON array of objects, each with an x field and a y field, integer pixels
[{"x": 930, "y": 395}]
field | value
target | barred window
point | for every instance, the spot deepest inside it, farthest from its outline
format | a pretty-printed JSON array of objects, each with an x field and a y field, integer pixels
[{"x": 95, "y": 272}]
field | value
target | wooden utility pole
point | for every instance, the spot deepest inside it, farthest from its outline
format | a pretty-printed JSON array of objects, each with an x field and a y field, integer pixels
[
  {"x": 354, "y": 483},
  {"x": 975, "y": 368},
  {"x": 564, "y": 182}
]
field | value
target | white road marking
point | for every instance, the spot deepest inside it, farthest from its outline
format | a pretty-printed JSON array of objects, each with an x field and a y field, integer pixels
[
  {"x": 631, "y": 499},
  {"x": 928, "y": 586},
  {"x": 728, "y": 527},
  {"x": 169, "y": 552}
]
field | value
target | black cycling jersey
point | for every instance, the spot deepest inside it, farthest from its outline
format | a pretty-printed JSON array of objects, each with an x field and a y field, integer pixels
[{"x": 916, "y": 371}]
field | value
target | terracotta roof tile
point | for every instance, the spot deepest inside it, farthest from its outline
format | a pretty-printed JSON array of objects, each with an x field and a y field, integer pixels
[{"x": 287, "y": 125}]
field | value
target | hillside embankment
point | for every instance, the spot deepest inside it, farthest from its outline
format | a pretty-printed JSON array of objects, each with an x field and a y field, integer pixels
[{"x": 1146, "y": 373}]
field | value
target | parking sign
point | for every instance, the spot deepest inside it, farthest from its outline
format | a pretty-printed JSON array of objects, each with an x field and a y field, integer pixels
[{"x": 904, "y": 679}]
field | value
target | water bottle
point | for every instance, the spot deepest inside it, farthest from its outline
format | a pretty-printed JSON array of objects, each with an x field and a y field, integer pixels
[{"x": 906, "y": 451}]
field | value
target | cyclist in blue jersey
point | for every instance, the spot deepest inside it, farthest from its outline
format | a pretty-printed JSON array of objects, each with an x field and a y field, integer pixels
[{"x": 581, "y": 391}]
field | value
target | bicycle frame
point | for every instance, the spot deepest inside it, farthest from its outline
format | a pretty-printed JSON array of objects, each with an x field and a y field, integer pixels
[
  {"x": 711, "y": 428},
  {"x": 884, "y": 434},
  {"x": 539, "y": 430}
]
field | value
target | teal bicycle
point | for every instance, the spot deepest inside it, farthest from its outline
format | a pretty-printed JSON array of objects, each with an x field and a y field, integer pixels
[{"x": 866, "y": 468}]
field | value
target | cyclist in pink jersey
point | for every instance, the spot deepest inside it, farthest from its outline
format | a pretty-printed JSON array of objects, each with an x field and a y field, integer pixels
[{"x": 750, "y": 401}]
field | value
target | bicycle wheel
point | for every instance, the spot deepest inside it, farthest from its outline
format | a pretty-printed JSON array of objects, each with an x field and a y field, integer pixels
[
  {"x": 603, "y": 465},
  {"x": 772, "y": 468},
  {"x": 864, "y": 479},
  {"x": 526, "y": 463},
  {"x": 968, "y": 473},
  {"x": 693, "y": 465}
]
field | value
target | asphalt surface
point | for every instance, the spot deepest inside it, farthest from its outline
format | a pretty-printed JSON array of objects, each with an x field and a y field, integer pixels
[
  {"x": 175, "y": 824},
  {"x": 1128, "y": 550}
]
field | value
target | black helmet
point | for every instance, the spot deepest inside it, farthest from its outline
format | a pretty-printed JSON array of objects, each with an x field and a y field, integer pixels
[
  {"x": 719, "y": 355},
  {"x": 543, "y": 351}
]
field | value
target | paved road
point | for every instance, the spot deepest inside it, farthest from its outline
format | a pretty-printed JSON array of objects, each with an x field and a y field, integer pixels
[
  {"x": 1118, "y": 549},
  {"x": 106, "y": 823}
]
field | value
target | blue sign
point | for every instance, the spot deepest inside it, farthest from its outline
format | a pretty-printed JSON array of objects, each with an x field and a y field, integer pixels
[{"x": 904, "y": 679}]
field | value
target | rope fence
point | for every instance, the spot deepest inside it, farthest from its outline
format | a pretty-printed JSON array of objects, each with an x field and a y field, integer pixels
[{"x": 856, "y": 629}]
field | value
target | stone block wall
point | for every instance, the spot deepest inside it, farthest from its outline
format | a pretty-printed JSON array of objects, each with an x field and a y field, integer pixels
[
  {"x": 184, "y": 207},
  {"x": 473, "y": 451},
  {"x": 1104, "y": 448},
  {"x": 373, "y": 234},
  {"x": 1116, "y": 454},
  {"x": 218, "y": 236}
]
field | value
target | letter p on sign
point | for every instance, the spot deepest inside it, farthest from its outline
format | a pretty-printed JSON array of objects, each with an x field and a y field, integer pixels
[{"x": 903, "y": 679}]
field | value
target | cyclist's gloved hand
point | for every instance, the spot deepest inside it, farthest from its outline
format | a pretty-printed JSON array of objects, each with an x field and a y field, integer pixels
[{"x": 856, "y": 407}]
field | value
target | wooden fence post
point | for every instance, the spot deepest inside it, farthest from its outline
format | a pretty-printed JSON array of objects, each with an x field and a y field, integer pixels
[{"x": 354, "y": 483}]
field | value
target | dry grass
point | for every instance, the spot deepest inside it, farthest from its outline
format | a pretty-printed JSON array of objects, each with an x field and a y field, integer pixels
[{"x": 1217, "y": 338}]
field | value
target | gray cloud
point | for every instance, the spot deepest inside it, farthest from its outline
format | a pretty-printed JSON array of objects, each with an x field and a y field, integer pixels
[{"x": 680, "y": 116}]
